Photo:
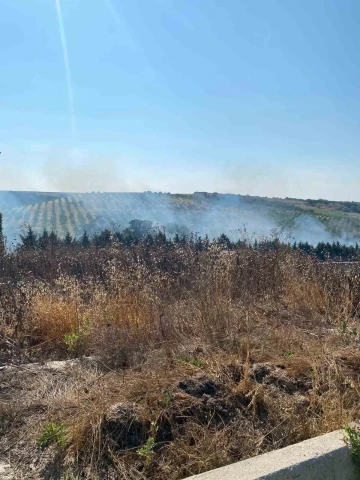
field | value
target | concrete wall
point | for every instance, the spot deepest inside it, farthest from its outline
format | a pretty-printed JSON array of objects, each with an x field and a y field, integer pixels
[{"x": 322, "y": 458}]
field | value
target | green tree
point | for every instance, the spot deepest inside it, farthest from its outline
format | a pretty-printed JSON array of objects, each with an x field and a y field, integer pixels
[
  {"x": 224, "y": 241},
  {"x": 103, "y": 238},
  {"x": 2, "y": 239},
  {"x": 68, "y": 240},
  {"x": 44, "y": 239},
  {"x": 53, "y": 238},
  {"x": 128, "y": 237},
  {"x": 140, "y": 227},
  {"x": 160, "y": 237},
  {"x": 85, "y": 240},
  {"x": 29, "y": 240}
]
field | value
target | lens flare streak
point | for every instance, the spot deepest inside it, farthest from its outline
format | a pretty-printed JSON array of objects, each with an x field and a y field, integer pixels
[{"x": 67, "y": 68}]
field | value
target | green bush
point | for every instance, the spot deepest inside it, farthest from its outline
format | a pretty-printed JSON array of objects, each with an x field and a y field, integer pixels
[
  {"x": 353, "y": 440},
  {"x": 53, "y": 433}
]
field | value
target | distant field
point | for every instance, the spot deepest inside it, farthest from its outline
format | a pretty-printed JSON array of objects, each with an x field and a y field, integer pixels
[{"x": 200, "y": 212}]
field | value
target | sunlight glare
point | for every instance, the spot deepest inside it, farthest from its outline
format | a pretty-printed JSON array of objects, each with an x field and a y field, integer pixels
[{"x": 67, "y": 68}]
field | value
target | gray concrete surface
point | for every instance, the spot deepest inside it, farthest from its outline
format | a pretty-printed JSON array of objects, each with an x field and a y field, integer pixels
[{"x": 322, "y": 458}]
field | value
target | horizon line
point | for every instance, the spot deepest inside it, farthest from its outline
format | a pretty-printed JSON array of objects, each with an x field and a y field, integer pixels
[{"x": 197, "y": 192}]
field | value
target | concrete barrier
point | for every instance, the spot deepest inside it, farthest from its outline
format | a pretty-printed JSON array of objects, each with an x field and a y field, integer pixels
[{"x": 322, "y": 458}]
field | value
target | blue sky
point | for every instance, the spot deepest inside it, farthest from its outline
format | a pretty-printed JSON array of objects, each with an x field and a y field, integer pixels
[{"x": 255, "y": 96}]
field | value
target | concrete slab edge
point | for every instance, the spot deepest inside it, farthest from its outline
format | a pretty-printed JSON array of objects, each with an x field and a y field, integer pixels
[{"x": 325, "y": 457}]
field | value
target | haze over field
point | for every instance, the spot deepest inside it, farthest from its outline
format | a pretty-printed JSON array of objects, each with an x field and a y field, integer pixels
[{"x": 202, "y": 213}]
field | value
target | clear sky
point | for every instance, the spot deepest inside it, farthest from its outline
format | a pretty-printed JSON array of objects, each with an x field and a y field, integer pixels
[{"x": 244, "y": 96}]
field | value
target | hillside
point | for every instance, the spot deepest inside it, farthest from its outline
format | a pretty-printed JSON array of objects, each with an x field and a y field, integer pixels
[{"x": 212, "y": 213}]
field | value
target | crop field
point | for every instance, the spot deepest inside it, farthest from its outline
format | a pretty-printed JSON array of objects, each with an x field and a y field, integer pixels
[{"x": 200, "y": 212}]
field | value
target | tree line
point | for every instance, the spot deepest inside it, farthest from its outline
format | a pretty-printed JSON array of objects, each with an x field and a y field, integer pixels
[{"x": 149, "y": 234}]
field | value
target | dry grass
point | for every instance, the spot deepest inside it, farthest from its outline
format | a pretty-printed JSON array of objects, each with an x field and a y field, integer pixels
[
  {"x": 50, "y": 319},
  {"x": 213, "y": 357}
]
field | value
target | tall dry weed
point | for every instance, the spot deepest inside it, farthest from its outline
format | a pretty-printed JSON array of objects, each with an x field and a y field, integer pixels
[{"x": 230, "y": 353}]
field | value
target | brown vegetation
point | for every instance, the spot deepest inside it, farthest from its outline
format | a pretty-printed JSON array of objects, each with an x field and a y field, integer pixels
[{"x": 178, "y": 361}]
